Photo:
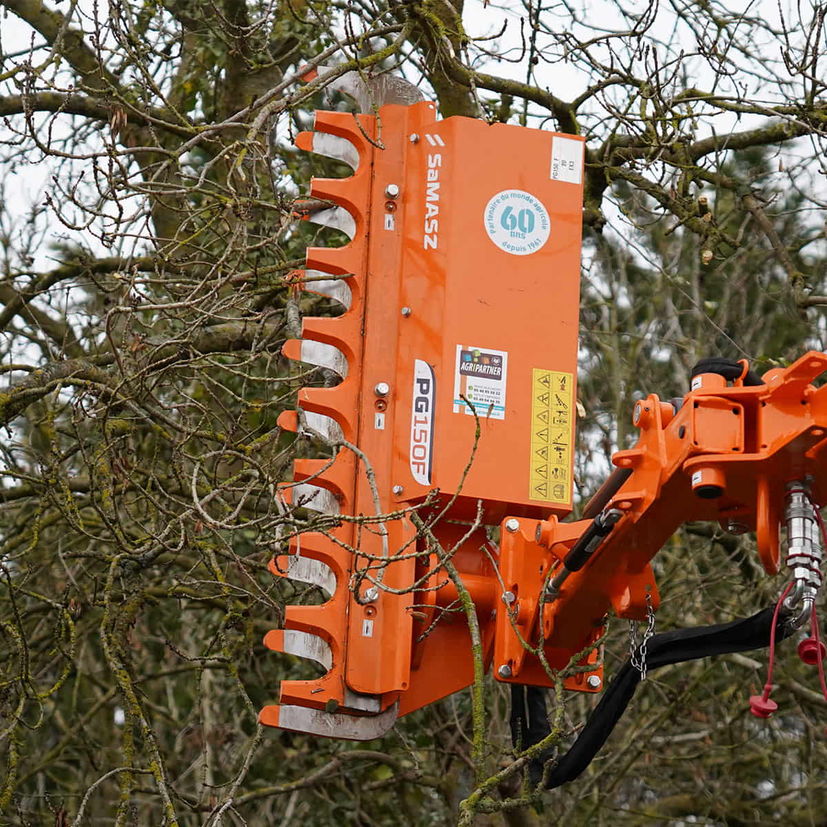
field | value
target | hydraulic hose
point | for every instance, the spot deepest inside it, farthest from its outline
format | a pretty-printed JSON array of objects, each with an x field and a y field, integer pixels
[{"x": 529, "y": 721}]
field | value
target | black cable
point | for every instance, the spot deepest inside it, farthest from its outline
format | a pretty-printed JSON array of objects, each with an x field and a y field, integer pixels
[{"x": 529, "y": 723}]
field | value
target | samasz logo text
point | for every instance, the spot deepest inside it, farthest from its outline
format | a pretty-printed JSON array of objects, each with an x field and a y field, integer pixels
[{"x": 430, "y": 238}]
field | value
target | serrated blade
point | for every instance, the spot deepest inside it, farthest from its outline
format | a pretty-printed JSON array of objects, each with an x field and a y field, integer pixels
[
  {"x": 305, "y": 570},
  {"x": 326, "y": 426},
  {"x": 338, "y": 289},
  {"x": 314, "y": 497},
  {"x": 366, "y": 703},
  {"x": 316, "y": 353},
  {"x": 300, "y": 644},
  {"x": 371, "y": 92},
  {"x": 331, "y": 146},
  {"x": 330, "y": 724},
  {"x": 335, "y": 218},
  {"x": 312, "y": 424}
]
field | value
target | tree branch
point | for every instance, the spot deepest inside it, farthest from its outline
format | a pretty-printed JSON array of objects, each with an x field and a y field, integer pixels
[
  {"x": 88, "y": 107},
  {"x": 230, "y": 337}
]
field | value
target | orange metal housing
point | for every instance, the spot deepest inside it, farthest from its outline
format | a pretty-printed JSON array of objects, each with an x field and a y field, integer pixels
[{"x": 488, "y": 269}]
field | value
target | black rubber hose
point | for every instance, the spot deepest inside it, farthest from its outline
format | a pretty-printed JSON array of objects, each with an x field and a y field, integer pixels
[
  {"x": 601, "y": 498},
  {"x": 728, "y": 368},
  {"x": 662, "y": 650},
  {"x": 529, "y": 723}
]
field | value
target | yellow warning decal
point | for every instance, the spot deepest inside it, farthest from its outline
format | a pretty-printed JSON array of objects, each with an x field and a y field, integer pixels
[{"x": 552, "y": 417}]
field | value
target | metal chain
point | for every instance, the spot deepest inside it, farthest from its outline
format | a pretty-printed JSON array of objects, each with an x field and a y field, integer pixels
[{"x": 637, "y": 653}]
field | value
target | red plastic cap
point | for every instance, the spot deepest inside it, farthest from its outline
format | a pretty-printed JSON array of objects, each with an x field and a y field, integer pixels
[
  {"x": 811, "y": 651},
  {"x": 762, "y": 707}
]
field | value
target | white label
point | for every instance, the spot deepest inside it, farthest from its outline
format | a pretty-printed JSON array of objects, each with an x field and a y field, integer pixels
[
  {"x": 566, "y": 160},
  {"x": 367, "y": 628},
  {"x": 379, "y": 421},
  {"x": 697, "y": 477},
  {"x": 517, "y": 222},
  {"x": 480, "y": 376},
  {"x": 422, "y": 422},
  {"x": 388, "y": 221},
  {"x": 696, "y": 383}
]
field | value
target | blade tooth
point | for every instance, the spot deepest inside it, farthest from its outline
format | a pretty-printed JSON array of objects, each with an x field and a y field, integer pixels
[
  {"x": 331, "y": 146},
  {"x": 346, "y": 192},
  {"x": 318, "y": 542},
  {"x": 329, "y": 724},
  {"x": 269, "y": 715},
  {"x": 315, "y": 693},
  {"x": 327, "y": 622},
  {"x": 292, "y": 349},
  {"x": 338, "y": 475},
  {"x": 316, "y": 619},
  {"x": 308, "y": 73},
  {"x": 305, "y": 570},
  {"x": 338, "y": 403},
  {"x": 346, "y": 125},
  {"x": 304, "y": 141},
  {"x": 316, "y": 353},
  {"x": 314, "y": 545},
  {"x": 324, "y": 355},
  {"x": 338, "y": 331},
  {"x": 338, "y": 261},
  {"x": 288, "y": 421},
  {"x": 336, "y": 289},
  {"x": 300, "y": 644}
]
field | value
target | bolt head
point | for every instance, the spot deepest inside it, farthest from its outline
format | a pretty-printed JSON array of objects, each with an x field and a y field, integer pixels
[
  {"x": 414, "y": 139},
  {"x": 382, "y": 389},
  {"x": 594, "y": 681},
  {"x": 371, "y": 594},
  {"x": 397, "y": 489},
  {"x": 504, "y": 671},
  {"x": 406, "y": 311},
  {"x": 508, "y": 598},
  {"x": 512, "y": 525},
  {"x": 392, "y": 191}
]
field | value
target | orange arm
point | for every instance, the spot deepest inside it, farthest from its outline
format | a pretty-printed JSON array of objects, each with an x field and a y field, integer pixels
[{"x": 747, "y": 457}]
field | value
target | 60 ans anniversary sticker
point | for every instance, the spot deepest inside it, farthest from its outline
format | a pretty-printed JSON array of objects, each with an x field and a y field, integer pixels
[{"x": 517, "y": 222}]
